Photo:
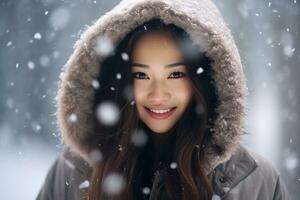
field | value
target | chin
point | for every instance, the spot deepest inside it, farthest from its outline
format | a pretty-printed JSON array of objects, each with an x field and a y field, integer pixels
[{"x": 159, "y": 130}]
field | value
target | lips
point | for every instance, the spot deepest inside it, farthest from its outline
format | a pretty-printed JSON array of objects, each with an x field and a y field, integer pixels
[{"x": 160, "y": 116}]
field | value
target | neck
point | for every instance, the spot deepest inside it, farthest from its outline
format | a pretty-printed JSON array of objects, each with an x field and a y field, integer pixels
[
  {"x": 160, "y": 146},
  {"x": 158, "y": 140}
]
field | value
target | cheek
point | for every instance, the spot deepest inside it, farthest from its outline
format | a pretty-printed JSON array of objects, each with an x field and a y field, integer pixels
[
  {"x": 138, "y": 91},
  {"x": 183, "y": 90},
  {"x": 183, "y": 97}
]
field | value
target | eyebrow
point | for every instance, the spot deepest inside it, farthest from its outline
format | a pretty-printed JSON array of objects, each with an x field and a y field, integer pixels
[{"x": 147, "y": 66}]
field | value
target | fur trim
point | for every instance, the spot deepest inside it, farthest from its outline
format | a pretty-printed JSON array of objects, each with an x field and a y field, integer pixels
[{"x": 205, "y": 25}]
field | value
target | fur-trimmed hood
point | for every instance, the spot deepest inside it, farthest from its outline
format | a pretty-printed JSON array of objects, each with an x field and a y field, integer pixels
[{"x": 204, "y": 24}]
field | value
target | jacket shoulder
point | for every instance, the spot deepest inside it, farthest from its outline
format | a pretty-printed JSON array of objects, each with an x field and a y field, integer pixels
[
  {"x": 269, "y": 178},
  {"x": 65, "y": 178},
  {"x": 253, "y": 177},
  {"x": 264, "y": 168}
]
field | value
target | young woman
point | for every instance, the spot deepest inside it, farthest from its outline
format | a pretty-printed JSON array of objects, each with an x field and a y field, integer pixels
[{"x": 152, "y": 106}]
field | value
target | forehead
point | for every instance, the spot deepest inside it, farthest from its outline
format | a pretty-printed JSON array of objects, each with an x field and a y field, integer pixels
[{"x": 158, "y": 46}]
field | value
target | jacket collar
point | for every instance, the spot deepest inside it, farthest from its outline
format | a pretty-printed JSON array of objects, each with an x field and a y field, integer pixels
[
  {"x": 76, "y": 162},
  {"x": 230, "y": 173}
]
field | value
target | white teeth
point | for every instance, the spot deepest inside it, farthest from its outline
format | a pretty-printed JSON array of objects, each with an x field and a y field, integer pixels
[{"x": 160, "y": 111}]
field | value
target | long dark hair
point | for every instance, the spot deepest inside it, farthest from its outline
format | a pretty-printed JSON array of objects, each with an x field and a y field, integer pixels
[{"x": 191, "y": 132}]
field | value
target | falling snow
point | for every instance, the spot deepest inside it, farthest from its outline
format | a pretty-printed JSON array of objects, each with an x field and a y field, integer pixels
[
  {"x": 9, "y": 44},
  {"x": 146, "y": 190},
  {"x": 72, "y": 118},
  {"x": 108, "y": 113},
  {"x": 96, "y": 156},
  {"x": 104, "y": 46},
  {"x": 36, "y": 44},
  {"x": 95, "y": 84},
  {"x": 10, "y": 103},
  {"x": 216, "y": 197},
  {"x": 35, "y": 126},
  {"x": 173, "y": 165},
  {"x": 84, "y": 184},
  {"x": 125, "y": 56},
  {"x": 200, "y": 70},
  {"x": 139, "y": 138},
  {"x": 288, "y": 51},
  {"x": 118, "y": 76},
  {"x": 291, "y": 161},
  {"x": 30, "y": 65},
  {"x": 56, "y": 54},
  {"x": 59, "y": 18},
  {"x": 37, "y": 36},
  {"x": 44, "y": 61},
  {"x": 113, "y": 184}
]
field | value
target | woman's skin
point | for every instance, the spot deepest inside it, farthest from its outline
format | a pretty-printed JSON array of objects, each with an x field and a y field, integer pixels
[{"x": 160, "y": 79}]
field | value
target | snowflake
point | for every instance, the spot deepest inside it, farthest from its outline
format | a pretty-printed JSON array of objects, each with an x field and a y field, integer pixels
[
  {"x": 146, "y": 190},
  {"x": 95, "y": 84},
  {"x": 72, "y": 118},
  {"x": 37, "y": 36},
  {"x": 118, "y": 76},
  {"x": 107, "y": 113},
  {"x": 139, "y": 138},
  {"x": 96, "y": 156},
  {"x": 125, "y": 56},
  {"x": 104, "y": 46},
  {"x": 173, "y": 165},
  {"x": 113, "y": 183},
  {"x": 60, "y": 18},
  {"x": 84, "y": 184},
  {"x": 31, "y": 65},
  {"x": 9, "y": 44},
  {"x": 199, "y": 70}
]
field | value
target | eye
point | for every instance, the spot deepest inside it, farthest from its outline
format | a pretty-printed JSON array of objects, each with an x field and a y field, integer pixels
[
  {"x": 178, "y": 74},
  {"x": 141, "y": 75},
  {"x": 138, "y": 75}
]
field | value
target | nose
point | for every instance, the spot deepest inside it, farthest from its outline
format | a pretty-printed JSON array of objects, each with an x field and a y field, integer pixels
[{"x": 159, "y": 94}]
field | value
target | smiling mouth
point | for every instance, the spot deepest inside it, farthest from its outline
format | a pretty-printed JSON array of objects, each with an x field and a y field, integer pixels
[{"x": 160, "y": 116}]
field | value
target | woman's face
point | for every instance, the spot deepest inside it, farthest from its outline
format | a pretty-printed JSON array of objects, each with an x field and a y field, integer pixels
[{"x": 160, "y": 81}]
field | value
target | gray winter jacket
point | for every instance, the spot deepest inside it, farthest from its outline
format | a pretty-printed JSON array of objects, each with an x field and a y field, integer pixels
[
  {"x": 246, "y": 175},
  {"x": 238, "y": 174}
]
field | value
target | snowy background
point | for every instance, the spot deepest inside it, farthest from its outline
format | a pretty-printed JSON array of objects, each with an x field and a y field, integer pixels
[{"x": 37, "y": 37}]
